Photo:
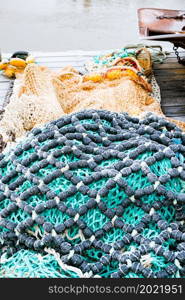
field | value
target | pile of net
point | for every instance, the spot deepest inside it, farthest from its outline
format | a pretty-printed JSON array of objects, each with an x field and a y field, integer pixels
[
  {"x": 122, "y": 83},
  {"x": 142, "y": 54},
  {"x": 94, "y": 194}
]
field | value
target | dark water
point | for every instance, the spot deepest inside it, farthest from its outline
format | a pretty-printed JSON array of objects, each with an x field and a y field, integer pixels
[{"x": 58, "y": 25}]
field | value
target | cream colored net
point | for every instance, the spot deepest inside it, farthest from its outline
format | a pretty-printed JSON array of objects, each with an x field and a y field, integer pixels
[
  {"x": 32, "y": 103},
  {"x": 129, "y": 93},
  {"x": 41, "y": 95},
  {"x": 120, "y": 95}
]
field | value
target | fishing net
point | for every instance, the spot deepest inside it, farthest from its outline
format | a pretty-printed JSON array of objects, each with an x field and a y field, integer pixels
[
  {"x": 138, "y": 51},
  {"x": 33, "y": 103},
  {"x": 143, "y": 54},
  {"x": 105, "y": 60},
  {"x": 29, "y": 264},
  {"x": 94, "y": 194}
]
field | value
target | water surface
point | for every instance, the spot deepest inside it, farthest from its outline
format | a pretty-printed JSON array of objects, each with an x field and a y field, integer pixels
[{"x": 59, "y": 25}]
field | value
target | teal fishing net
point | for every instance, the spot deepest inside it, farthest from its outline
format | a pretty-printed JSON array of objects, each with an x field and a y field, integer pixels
[
  {"x": 106, "y": 60},
  {"x": 120, "y": 53},
  {"x": 94, "y": 194}
]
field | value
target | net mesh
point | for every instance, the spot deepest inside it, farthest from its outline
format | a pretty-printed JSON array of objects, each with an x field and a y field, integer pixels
[
  {"x": 33, "y": 103},
  {"x": 94, "y": 194}
]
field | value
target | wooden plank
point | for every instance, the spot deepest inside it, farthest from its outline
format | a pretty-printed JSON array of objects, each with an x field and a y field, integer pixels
[
  {"x": 62, "y": 59},
  {"x": 173, "y": 59},
  {"x": 78, "y": 53},
  {"x": 169, "y": 72},
  {"x": 174, "y": 110},
  {"x": 172, "y": 53},
  {"x": 3, "y": 78},
  {"x": 166, "y": 66},
  {"x": 176, "y": 85},
  {"x": 171, "y": 92},
  {"x": 173, "y": 101},
  {"x": 62, "y": 64},
  {"x": 180, "y": 118},
  {"x": 2, "y": 93},
  {"x": 4, "y": 87},
  {"x": 69, "y": 53}
]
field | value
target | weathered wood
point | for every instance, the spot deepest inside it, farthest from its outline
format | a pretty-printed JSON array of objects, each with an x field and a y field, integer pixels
[
  {"x": 168, "y": 65},
  {"x": 171, "y": 78},
  {"x": 174, "y": 110},
  {"x": 169, "y": 72},
  {"x": 63, "y": 59},
  {"x": 180, "y": 118},
  {"x": 173, "y": 84}
]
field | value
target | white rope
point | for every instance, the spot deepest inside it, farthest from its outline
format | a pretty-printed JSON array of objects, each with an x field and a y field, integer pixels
[{"x": 62, "y": 265}]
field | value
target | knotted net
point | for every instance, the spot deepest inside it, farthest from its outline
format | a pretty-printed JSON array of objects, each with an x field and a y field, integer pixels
[{"x": 94, "y": 194}]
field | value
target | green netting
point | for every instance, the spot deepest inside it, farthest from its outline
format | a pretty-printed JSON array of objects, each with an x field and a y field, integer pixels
[
  {"x": 29, "y": 264},
  {"x": 77, "y": 203}
]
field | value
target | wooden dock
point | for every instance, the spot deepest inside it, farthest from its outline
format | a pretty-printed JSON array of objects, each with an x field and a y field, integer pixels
[
  {"x": 170, "y": 76},
  {"x": 171, "y": 79}
]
